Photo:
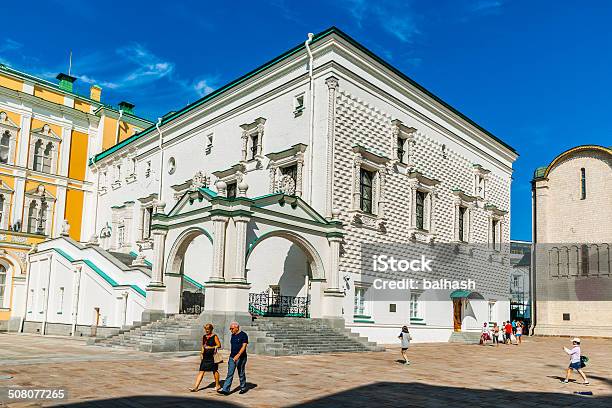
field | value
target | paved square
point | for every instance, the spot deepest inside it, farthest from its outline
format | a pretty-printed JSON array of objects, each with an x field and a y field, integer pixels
[{"x": 449, "y": 375}]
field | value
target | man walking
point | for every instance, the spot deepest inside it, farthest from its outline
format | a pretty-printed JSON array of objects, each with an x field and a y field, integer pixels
[{"x": 237, "y": 359}]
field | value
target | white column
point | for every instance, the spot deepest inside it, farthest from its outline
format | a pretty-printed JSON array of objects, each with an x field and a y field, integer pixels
[
  {"x": 219, "y": 225},
  {"x": 60, "y": 208},
  {"x": 159, "y": 247},
  {"x": 332, "y": 86},
  {"x": 334, "y": 263},
  {"x": 239, "y": 274},
  {"x": 24, "y": 141},
  {"x": 76, "y": 288}
]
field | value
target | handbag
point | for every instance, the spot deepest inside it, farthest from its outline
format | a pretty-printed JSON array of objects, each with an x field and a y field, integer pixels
[{"x": 217, "y": 358}]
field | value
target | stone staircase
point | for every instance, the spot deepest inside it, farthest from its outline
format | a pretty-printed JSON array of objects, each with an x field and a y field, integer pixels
[
  {"x": 465, "y": 337},
  {"x": 275, "y": 336},
  {"x": 172, "y": 333},
  {"x": 279, "y": 336}
]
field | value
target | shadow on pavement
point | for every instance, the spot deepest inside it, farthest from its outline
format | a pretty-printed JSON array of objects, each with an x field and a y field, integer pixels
[{"x": 387, "y": 394}]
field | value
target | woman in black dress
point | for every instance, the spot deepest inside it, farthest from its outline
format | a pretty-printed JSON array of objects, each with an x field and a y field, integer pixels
[{"x": 210, "y": 346}]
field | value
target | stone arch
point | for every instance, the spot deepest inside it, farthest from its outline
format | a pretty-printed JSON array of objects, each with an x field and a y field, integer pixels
[
  {"x": 177, "y": 253},
  {"x": 316, "y": 263}
]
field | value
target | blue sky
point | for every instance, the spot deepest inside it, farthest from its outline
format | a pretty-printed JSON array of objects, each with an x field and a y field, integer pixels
[{"x": 536, "y": 74}]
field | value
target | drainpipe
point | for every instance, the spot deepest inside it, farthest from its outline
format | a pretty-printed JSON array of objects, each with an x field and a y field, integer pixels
[
  {"x": 118, "y": 123},
  {"x": 75, "y": 298},
  {"x": 311, "y": 119},
  {"x": 161, "y": 158},
  {"x": 94, "y": 236}
]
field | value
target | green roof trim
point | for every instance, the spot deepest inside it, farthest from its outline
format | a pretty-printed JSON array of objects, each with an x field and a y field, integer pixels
[
  {"x": 458, "y": 294},
  {"x": 332, "y": 30},
  {"x": 193, "y": 282},
  {"x": 99, "y": 271}
]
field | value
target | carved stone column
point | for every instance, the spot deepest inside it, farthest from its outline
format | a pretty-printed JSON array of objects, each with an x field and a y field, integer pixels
[
  {"x": 334, "y": 263},
  {"x": 239, "y": 274},
  {"x": 357, "y": 182},
  {"x": 332, "y": 86},
  {"x": 219, "y": 225},
  {"x": 245, "y": 143},
  {"x": 298, "y": 178},
  {"x": 159, "y": 246}
]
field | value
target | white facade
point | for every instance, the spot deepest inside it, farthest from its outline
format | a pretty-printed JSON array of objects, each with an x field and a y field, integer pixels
[{"x": 282, "y": 130}]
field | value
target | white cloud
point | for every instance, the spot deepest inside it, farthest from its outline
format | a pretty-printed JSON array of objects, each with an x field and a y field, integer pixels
[
  {"x": 10, "y": 45},
  {"x": 487, "y": 6},
  {"x": 396, "y": 18},
  {"x": 203, "y": 87},
  {"x": 149, "y": 67}
]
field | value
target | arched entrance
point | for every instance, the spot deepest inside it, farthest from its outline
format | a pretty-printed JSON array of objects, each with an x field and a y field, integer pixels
[
  {"x": 281, "y": 266},
  {"x": 189, "y": 266}
]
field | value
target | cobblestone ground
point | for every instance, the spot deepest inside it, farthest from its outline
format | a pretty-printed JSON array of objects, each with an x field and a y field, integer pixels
[{"x": 447, "y": 375}]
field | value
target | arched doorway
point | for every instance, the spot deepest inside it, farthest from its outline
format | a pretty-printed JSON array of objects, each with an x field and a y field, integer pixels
[
  {"x": 281, "y": 266},
  {"x": 189, "y": 266}
]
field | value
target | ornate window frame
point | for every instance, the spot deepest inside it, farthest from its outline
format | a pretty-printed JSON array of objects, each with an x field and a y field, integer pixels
[
  {"x": 364, "y": 159},
  {"x": 37, "y": 196},
  {"x": 418, "y": 182},
  {"x": 481, "y": 180},
  {"x": 148, "y": 208},
  {"x": 250, "y": 131},
  {"x": 7, "y": 194},
  {"x": 8, "y": 126},
  {"x": 122, "y": 217},
  {"x": 280, "y": 183},
  {"x": 46, "y": 136},
  {"x": 117, "y": 167},
  {"x": 499, "y": 216},
  {"x": 234, "y": 174},
  {"x": 132, "y": 166},
  {"x": 407, "y": 135},
  {"x": 469, "y": 203}
]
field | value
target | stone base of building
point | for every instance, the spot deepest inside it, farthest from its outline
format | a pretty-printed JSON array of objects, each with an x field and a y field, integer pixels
[
  {"x": 573, "y": 331},
  {"x": 221, "y": 322},
  {"x": 62, "y": 329}
]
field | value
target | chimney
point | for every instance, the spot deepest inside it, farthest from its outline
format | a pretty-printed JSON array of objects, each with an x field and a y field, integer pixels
[
  {"x": 95, "y": 92},
  {"x": 127, "y": 107},
  {"x": 65, "y": 82}
]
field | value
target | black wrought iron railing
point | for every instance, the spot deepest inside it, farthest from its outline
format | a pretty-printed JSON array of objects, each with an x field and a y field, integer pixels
[
  {"x": 192, "y": 302},
  {"x": 266, "y": 304}
]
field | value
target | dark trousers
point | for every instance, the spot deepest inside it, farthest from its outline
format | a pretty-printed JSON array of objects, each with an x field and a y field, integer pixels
[{"x": 231, "y": 368}]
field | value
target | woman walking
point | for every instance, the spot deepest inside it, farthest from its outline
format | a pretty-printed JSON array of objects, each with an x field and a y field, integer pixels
[
  {"x": 210, "y": 348},
  {"x": 575, "y": 361},
  {"x": 519, "y": 333},
  {"x": 405, "y": 337},
  {"x": 495, "y": 335}
]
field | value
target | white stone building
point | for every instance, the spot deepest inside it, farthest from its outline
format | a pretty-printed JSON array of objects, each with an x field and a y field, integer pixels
[{"x": 268, "y": 187}]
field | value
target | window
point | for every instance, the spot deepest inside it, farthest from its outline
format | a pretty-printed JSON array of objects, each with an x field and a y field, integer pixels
[
  {"x": 392, "y": 307},
  {"x": 290, "y": 171},
  {"x": 46, "y": 159},
  {"x": 118, "y": 173},
  {"x": 148, "y": 169},
  {"x": 38, "y": 155},
  {"x": 171, "y": 165},
  {"x": 462, "y": 211},
  {"x": 5, "y": 147},
  {"x": 3, "y": 279},
  {"x": 584, "y": 255},
  {"x": 480, "y": 186},
  {"x": 491, "y": 311},
  {"x": 566, "y": 316},
  {"x": 515, "y": 281},
  {"x": 2, "y": 202},
  {"x": 365, "y": 188},
  {"x": 494, "y": 233},
  {"x": 420, "y": 210},
  {"x": 254, "y": 145},
  {"x": 121, "y": 235},
  {"x": 147, "y": 217},
  {"x": 401, "y": 149},
  {"x": 582, "y": 184},
  {"x": 415, "y": 312},
  {"x": 231, "y": 190},
  {"x": 298, "y": 105},
  {"x": 33, "y": 217},
  {"x": 359, "y": 309},
  {"x": 209, "y": 144},
  {"x": 60, "y": 301}
]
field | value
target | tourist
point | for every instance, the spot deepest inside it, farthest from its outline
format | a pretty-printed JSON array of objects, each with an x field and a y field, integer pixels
[
  {"x": 508, "y": 332},
  {"x": 210, "y": 358},
  {"x": 237, "y": 359},
  {"x": 485, "y": 335},
  {"x": 513, "y": 326},
  {"x": 405, "y": 337},
  {"x": 575, "y": 361},
  {"x": 519, "y": 333},
  {"x": 495, "y": 335}
]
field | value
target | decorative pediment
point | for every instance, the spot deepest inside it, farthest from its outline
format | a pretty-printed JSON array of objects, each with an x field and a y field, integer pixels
[
  {"x": 495, "y": 211},
  {"x": 253, "y": 126},
  {"x": 289, "y": 153},
  {"x": 5, "y": 189},
  {"x": 236, "y": 171},
  {"x": 46, "y": 132},
  {"x": 422, "y": 179},
  {"x": 370, "y": 156},
  {"x": 40, "y": 192},
  {"x": 289, "y": 205},
  {"x": 193, "y": 200},
  {"x": 148, "y": 200},
  {"x": 478, "y": 169},
  {"x": 6, "y": 122},
  {"x": 461, "y": 195}
]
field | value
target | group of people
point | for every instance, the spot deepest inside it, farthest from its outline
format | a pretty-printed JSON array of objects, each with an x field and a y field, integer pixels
[
  {"x": 507, "y": 333},
  {"x": 211, "y": 358}
]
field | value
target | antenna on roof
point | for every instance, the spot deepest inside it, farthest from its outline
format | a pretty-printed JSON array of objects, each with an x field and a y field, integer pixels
[{"x": 70, "y": 63}]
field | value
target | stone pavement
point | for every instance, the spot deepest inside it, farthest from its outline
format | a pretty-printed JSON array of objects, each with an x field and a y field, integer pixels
[{"x": 448, "y": 375}]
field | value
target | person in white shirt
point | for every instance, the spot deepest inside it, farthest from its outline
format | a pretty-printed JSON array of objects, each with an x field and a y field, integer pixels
[
  {"x": 575, "y": 361},
  {"x": 405, "y": 338}
]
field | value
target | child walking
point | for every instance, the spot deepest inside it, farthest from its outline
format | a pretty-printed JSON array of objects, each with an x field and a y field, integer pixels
[{"x": 405, "y": 338}]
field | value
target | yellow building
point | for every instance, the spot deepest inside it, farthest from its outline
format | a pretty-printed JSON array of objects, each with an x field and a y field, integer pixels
[{"x": 47, "y": 134}]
